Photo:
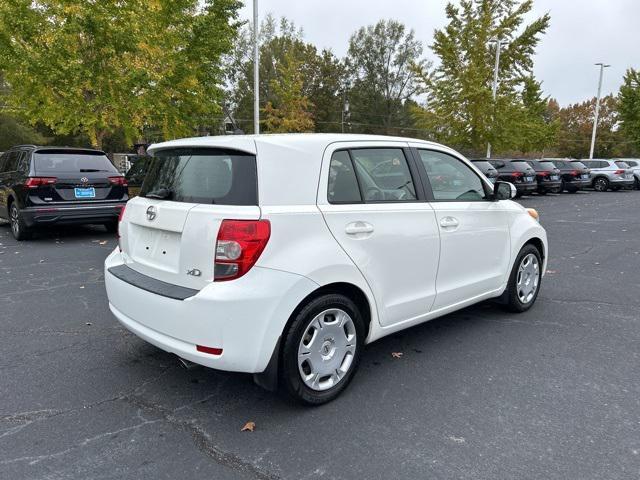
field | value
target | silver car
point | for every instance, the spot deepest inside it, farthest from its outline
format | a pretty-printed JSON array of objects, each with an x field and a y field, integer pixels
[
  {"x": 634, "y": 165},
  {"x": 610, "y": 174}
]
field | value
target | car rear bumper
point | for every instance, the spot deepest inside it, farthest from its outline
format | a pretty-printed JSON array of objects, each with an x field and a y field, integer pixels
[
  {"x": 244, "y": 317},
  {"x": 549, "y": 185},
  {"x": 72, "y": 214},
  {"x": 526, "y": 187}
]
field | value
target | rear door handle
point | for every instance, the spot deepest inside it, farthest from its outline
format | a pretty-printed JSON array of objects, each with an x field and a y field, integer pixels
[
  {"x": 449, "y": 223},
  {"x": 356, "y": 228}
]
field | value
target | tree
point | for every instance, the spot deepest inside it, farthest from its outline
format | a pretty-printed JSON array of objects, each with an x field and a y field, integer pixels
[
  {"x": 629, "y": 110},
  {"x": 536, "y": 130},
  {"x": 459, "y": 109},
  {"x": 291, "y": 112},
  {"x": 576, "y": 123},
  {"x": 280, "y": 42},
  {"x": 108, "y": 66},
  {"x": 383, "y": 60}
]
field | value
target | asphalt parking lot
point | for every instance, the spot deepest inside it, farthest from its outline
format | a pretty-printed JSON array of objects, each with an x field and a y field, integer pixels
[{"x": 480, "y": 394}]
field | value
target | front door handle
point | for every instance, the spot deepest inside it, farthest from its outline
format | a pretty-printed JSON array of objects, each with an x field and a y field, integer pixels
[
  {"x": 449, "y": 223},
  {"x": 357, "y": 228}
]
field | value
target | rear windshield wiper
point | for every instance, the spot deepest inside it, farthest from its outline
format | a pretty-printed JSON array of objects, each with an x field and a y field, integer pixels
[
  {"x": 92, "y": 170},
  {"x": 161, "y": 193}
]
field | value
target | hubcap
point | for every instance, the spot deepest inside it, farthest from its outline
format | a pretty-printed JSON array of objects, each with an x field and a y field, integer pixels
[
  {"x": 327, "y": 349},
  {"x": 528, "y": 278},
  {"x": 601, "y": 185},
  {"x": 15, "y": 224}
]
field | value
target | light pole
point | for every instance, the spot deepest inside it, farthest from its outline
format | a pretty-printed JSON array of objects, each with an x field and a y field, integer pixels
[
  {"x": 256, "y": 71},
  {"x": 597, "y": 110},
  {"x": 498, "y": 43},
  {"x": 345, "y": 107}
]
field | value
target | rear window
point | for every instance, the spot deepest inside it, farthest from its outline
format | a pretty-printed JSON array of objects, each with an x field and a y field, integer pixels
[
  {"x": 544, "y": 166},
  {"x": 210, "y": 176},
  {"x": 521, "y": 166},
  {"x": 578, "y": 164},
  {"x": 622, "y": 164},
  {"x": 483, "y": 165},
  {"x": 562, "y": 164},
  {"x": 52, "y": 161}
]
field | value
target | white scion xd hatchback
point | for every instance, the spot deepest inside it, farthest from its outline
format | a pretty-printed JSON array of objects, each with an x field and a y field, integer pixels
[{"x": 283, "y": 255}]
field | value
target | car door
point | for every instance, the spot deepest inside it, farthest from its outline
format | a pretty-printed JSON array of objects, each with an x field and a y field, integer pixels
[
  {"x": 374, "y": 206},
  {"x": 8, "y": 162},
  {"x": 474, "y": 229}
]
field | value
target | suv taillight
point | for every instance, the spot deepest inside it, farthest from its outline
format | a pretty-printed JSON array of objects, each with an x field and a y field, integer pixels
[
  {"x": 619, "y": 172},
  {"x": 35, "y": 182},
  {"x": 119, "y": 181},
  {"x": 238, "y": 247}
]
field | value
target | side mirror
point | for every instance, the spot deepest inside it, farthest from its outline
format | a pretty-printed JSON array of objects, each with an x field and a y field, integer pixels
[{"x": 504, "y": 191}]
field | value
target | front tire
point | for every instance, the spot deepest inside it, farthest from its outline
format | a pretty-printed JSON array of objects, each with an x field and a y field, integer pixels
[
  {"x": 19, "y": 229},
  {"x": 525, "y": 279},
  {"x": 322, "y": 349}
]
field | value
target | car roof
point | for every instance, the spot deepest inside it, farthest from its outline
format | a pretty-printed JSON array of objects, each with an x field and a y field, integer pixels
[
  {"x": 54, "y": 147},
  {"x": 249, "y": 143}
]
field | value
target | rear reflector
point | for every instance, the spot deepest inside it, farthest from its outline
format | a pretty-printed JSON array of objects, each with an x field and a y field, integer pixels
[
  {"x": 238, "y": 247},
  {"x": 209, "y": 350},
  {"x": 35, "y": 182}
]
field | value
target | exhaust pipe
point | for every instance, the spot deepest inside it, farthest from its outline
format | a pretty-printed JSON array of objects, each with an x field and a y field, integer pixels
[{"x": 186, "y": 364}]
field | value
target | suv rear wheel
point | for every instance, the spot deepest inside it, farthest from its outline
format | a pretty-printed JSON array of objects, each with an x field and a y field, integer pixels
[
  {"x": 18, "y": 228},
  {"x": 601, "y": 184},
  {"x": 525, "y": 279},
  {"x": 322, "y": 349}
]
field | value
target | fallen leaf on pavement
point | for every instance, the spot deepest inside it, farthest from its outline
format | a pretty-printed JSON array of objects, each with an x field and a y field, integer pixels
[
  {"x": 104, "y": 242},
  {"x": 397, "y": 354},
  {"x": 248, "y": 427},
  {"x": 551, "y": 272},
  {"x": 88, "y": 323}
]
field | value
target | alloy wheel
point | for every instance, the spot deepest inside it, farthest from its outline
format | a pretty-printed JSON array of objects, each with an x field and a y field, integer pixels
[
  {"x": 600, "y": 185},
  {"x": 528, "y": 278},
  {"x": 327, "y": 349},
  {"x": 15, "y": 221}
]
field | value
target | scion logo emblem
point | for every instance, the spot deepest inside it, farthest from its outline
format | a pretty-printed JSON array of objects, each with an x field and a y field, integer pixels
[
  {"x": 194, "y": 272},
  {"x": 151, "y": 213},
  {"x": 84, "y": 180}
]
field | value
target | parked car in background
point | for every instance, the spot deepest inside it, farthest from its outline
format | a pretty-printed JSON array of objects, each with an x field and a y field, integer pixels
[
  {"x": 634, "y": 166},
  {"x": 41, "y": 186},
  {"x": 573, "y": 177},
  {"x": 283, "y": 255},
  {"x": 610, "y": 174},
  {"x": 547, "y": 176},
  {"x": 487, "y": 169},
  {"x": 135, "y": 175},
  {"x": 520, "y": 173}
]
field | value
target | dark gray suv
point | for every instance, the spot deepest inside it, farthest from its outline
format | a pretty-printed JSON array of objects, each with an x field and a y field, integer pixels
[{"x": 41, "y": 186}]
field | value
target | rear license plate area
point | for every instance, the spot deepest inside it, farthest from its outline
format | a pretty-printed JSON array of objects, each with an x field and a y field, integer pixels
[
  {"x": 554, "y": 177},
  {"x": 155, "y": 248},
  {"x": 85, "y": 192},
  {"x": 584, "y": 176}
]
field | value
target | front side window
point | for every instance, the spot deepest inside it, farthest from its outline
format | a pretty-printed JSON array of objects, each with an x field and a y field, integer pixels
[
  {"x": 202, "y": 175},
  {"x": 343, "y": 185},
  {"x": 383, "y": 174},
  {"x": 451, "y": 179}
]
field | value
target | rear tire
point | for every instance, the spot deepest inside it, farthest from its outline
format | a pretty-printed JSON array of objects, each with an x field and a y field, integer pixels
[
  {"x": 322, "y": 349},
  {"x": 525, "y": 280},
  {"x": 601, "y": 184},
  {"x": 112, "y": 227},
  {"x": 19, "y": 229}
]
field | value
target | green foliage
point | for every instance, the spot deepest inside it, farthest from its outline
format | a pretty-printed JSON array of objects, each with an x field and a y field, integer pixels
[
  {"x": 291, "y": 112},
  {"x": 14, "y": 132},
  {"x": 629, "y": 109},
  {"x": 102, "y": 67},
  {"x": 460, "y": 109},
  {"x": 280, "y": 44},
  {"x": 383, "y": 61},
  {"x": 576, "y": 124}
]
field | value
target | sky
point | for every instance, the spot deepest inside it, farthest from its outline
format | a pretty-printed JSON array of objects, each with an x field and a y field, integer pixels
[{"x": 582, "y": 32}]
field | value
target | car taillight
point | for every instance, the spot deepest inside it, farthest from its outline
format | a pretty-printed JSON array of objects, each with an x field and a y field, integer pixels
[
  {"x": 119, "y": 181},
  {"x": 573, "y": 173},
  {"x": 35, "y": 182},
  {"x": 619, "y": 172},
  {"x": 238, "y": 247},
  {"x": 544, "y": 174}
]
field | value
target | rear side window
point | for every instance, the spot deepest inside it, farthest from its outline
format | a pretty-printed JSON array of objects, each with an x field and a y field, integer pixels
[
  {"x": 204, "y": 175},
  {"x": 11, "y": 161},
  {"x": 343, "y": 185},
  {"x": 383, "y": 174},
  {"x": 450, "y": 178},
  {"x": 622, "y": 164},
  {"x": 51, "y": 161}
]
